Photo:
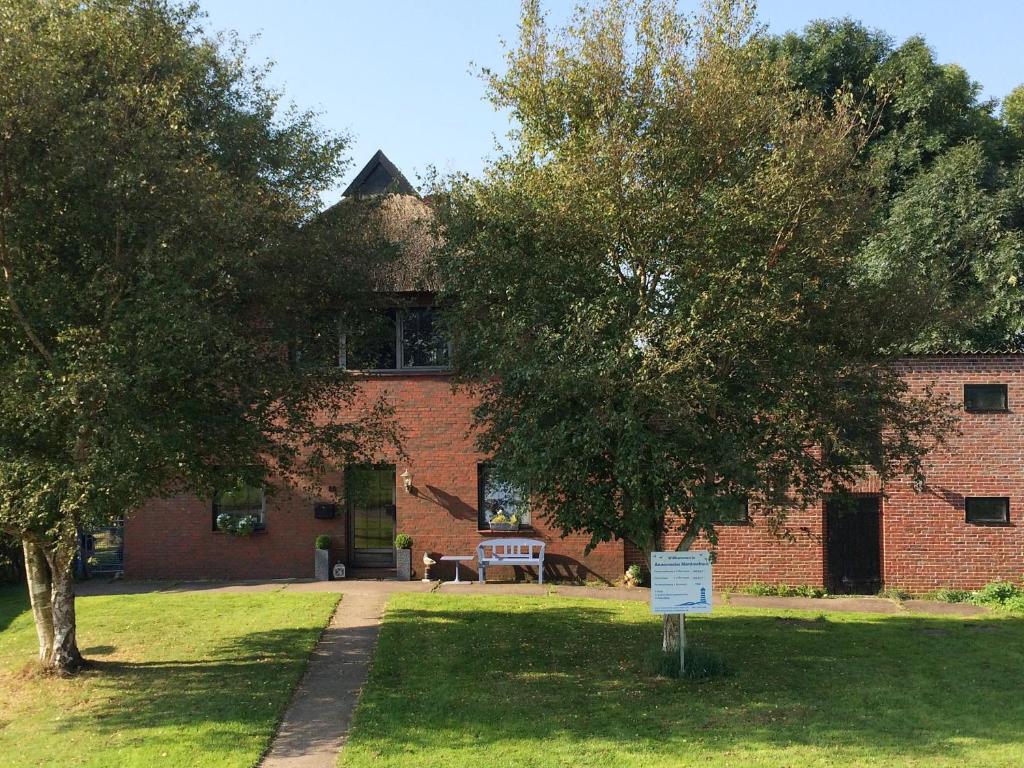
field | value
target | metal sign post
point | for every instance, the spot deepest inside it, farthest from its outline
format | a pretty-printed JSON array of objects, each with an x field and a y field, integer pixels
[{"x": 681, "y": 584}]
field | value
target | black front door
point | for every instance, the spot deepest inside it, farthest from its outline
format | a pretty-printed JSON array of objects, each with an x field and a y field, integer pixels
[
  {"x": 370, "y": 492},
  {"x": 853, "y": 545}
]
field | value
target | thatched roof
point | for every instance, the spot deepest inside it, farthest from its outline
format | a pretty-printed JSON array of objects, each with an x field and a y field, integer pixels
[
  {"x": 385, "y": 209},
  {"x": 407, "y": 223}
]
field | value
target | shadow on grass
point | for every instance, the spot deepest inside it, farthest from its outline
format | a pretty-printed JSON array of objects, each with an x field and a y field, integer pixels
[
  {"x": 480, "y": 675},
  {"x": 13, "y": 603},
  {"x": 239, "y": 691}
]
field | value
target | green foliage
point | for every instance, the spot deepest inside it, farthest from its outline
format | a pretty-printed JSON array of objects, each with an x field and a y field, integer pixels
[
  {"x": 237, "y": 525},
  {"x": 997, "y": 593},
  {"x": 653, "y": 288},
  {"x": 762, "y": 589},
  {"x": 1013, "y": 111},
  {"x": 156, "y": 264},
  {"x": 323, "y": 541},
  {"x": 12, "y": 560},
  {"x": 947, "y": 595},
  {"x": 1015, "y": 604},
  {"x": 949, "y": 212},
  {"x": 895, "y": 593},
  {"x": 403, "y": 541}
]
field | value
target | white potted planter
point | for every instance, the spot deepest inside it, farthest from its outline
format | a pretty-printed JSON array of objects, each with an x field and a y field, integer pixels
[
  {"x": 403, "y": 557},
  {"x": 322, "y": 558}
]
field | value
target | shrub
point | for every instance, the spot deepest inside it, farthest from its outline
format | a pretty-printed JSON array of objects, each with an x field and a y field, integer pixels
[
  {"x": 946, "y": 595},
  {"x": 761, "y": 589},
  {"x": 403, "y": 541},
  {"x": 997, "y": 593},
  {"x": 323, "y": 541},
  {"x": 1015, "y": 604},
  {"x": 895, "y": 593},
  {"x": 701, "y": 664}
]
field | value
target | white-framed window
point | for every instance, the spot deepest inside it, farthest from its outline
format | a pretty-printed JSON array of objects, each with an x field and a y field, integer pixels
[
  {"x": 243, "y": 501},
  {"x": 497, "y": 495}
]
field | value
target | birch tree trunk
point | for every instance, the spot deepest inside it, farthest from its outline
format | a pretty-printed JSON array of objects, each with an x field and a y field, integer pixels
[
  {"x": 670, "y": 638},
  {"x": 37, "y": 574},
  {"x": 66, "y": 657}
]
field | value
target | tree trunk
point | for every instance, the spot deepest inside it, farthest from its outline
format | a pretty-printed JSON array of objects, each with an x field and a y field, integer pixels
[
  {"x": 670, "y": 633},
  {"x": 669, "y": 621},
  {"x": 66, "y": 656},
  {"x": 37, "y": 574}
]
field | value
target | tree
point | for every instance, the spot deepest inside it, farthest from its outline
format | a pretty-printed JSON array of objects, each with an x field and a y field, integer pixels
[
  {"x": 1013, "y": 112},
  {"x": 949, "y": 216},
  {"x": 155, "y": 262},
  {"x": 655, "y": 288}
]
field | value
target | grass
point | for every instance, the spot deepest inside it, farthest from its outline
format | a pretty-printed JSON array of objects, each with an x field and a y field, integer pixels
[
  {"x": 175, "y": 680},
  {"x": 482, "y": 681}
]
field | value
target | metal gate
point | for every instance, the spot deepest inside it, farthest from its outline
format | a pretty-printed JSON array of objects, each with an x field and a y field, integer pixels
[{"x": 101, "y": 550}]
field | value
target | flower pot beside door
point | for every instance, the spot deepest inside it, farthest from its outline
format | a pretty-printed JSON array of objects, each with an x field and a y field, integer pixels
[
  {"x": 403, "y": 557},
  {"x": 322, "y": 558}
]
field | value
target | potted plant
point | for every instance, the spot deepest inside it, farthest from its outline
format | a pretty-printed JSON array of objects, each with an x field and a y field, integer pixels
[
  {"x": 322, "y": 558},
  {"x": 501, "y": 521},
  {"x": 403, "y": 557},
  {"x": 242, "y": 525}
]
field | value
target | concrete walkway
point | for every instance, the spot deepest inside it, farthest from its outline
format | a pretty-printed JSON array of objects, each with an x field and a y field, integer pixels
[{"x": 317, "y": 720}]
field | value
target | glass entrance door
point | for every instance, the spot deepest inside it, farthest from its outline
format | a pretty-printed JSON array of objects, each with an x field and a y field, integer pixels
[{"x": 371, "y": 504}]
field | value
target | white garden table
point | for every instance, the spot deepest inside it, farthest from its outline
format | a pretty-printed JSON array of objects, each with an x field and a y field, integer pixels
[{"x": 457, "y": 559}]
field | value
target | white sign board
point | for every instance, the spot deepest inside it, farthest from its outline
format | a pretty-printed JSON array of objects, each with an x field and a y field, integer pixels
[{"x": 680, "y": 582}]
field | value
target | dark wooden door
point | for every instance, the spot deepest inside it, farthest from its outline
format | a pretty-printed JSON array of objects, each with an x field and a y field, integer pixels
[
  {"x": 370, "y": 492},
  {"x": 853, "y": 545}
]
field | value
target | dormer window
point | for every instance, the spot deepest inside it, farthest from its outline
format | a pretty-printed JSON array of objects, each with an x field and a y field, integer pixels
[{"x": 398, "y": 340}]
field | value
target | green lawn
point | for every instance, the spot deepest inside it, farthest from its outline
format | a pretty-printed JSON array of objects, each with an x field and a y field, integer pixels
[
  {"x": 502, "y": 681},
  {"x": 177, "y": 680}
]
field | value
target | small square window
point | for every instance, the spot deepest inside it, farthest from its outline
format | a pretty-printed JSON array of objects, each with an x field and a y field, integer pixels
[
  {"x": 987, "y": 509},
  {"x": 734, "y": 510},
  {"x": 497, "y": 495},
  {"x": 985, "y": 398},
  {"x": 240, "y": 503}
]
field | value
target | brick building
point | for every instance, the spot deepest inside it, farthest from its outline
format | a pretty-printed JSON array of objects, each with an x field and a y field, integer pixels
[{"x": 962, "y": 529}]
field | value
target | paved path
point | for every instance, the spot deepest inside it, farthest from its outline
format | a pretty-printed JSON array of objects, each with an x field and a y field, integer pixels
[{"x": 317, "y": 720}]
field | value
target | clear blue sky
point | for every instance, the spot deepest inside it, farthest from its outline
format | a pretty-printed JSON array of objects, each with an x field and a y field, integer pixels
[{"x": 395, "y": 74}]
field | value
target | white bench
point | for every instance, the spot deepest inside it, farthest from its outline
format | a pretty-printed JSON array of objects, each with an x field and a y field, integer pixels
[{"x": 510, "y": 552}]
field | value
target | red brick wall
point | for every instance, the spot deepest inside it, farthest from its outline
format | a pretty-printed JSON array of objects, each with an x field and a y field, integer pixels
[
  {"x": 752, "y": 552},
  {"x": 172, "y": 538},
  {"x": 927, "y": 543}
]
